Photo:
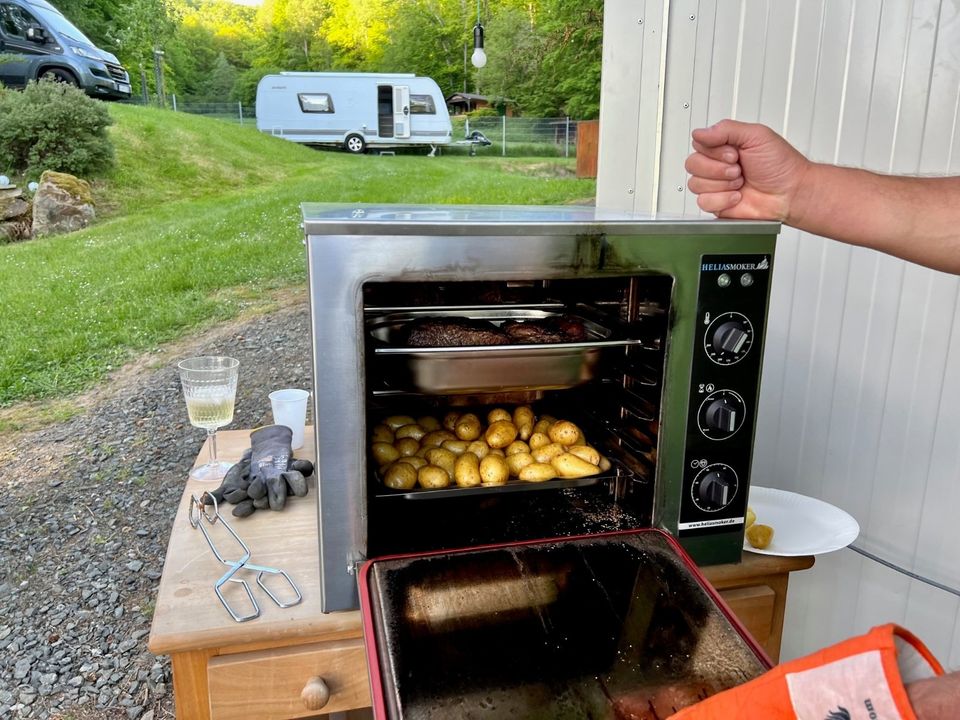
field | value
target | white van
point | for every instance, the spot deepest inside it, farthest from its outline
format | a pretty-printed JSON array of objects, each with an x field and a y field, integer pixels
[{"x": 353, "y": 110}]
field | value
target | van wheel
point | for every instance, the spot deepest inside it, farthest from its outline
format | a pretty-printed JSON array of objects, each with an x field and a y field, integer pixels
[
  {"x": 61, "y": 76},
  {"x": 354, "y": 144}
]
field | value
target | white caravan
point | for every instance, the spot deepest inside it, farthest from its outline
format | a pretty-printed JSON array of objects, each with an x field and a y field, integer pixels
[{"x": 353, "y": 110}]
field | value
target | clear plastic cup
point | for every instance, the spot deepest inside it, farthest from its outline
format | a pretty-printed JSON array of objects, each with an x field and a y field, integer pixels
[{"x": 290, "y": 408}]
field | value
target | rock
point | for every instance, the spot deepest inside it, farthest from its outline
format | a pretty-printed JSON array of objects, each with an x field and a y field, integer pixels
[
  {"x": 135, "y": 565},
  {"x": 12, "y": 204},
  {"x": 63, "y": 203}
]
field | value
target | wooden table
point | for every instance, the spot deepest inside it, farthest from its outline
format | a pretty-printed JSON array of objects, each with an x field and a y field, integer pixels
[{"x": 277, "y": 666}]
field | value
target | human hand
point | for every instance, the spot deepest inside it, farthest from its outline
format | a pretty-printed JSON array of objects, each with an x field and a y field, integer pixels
[
  {"x": 936, "y": 698},
  {"x": 743, "y": 170}
]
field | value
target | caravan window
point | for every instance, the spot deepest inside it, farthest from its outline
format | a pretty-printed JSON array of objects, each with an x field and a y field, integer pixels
[
  {"x": 16, "y": 21},
  {"x": 315, "y": 102},
  {"x": 422, "y": 105}
]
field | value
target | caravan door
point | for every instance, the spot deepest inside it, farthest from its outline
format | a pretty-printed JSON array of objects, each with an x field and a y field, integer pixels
[{"x": 401, "y": 111}]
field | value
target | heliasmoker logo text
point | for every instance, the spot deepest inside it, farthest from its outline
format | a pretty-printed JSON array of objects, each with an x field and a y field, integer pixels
[{"x": 764, "y": 264}]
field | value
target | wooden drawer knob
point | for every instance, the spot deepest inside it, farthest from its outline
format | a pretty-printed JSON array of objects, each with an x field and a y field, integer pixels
[{"x": 315, "y": 693}]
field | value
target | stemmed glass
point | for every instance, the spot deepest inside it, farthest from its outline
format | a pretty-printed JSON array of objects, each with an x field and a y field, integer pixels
[{"x": 210, "y": 388}]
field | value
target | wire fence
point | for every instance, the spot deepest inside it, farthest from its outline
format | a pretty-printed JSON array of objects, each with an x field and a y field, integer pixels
[{"x": 501, "y": 135}]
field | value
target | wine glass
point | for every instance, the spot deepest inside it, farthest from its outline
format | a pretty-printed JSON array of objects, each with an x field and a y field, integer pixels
[{"x": 209, "y": 387}]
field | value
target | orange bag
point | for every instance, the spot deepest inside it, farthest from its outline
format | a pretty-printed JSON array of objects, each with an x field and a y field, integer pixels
[{"x": 862, "y": 678}]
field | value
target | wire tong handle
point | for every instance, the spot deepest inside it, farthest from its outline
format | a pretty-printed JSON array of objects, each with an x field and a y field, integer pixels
[{"x": 200, "y": 517}]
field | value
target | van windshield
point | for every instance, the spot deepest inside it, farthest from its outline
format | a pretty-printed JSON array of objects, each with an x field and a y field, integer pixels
[{"x": 59, "y": 24}]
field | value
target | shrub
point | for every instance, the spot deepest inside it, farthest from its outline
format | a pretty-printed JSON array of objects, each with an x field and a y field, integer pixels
[
  {"x": 483, "y": 113},
  {"x": 53, "y": 126}
]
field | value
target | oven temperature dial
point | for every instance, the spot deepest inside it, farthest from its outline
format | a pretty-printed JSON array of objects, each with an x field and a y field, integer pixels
[
  {"x": 721, "y": 414},
  {"x": 714, "y": 487},
  {"x": 728, "y": 338}
]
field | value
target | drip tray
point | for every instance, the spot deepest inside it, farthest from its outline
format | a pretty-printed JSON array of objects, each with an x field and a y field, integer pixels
[{"x": 609, "y": 626}]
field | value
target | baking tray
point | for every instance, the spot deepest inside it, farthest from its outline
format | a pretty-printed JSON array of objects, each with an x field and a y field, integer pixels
[
  {"x": 491, "y": 368},
  {"x": 513, "y": 485}
]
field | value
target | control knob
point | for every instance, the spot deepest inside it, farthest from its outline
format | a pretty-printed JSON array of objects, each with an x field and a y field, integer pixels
[
  {"x": 714, "y": 487},
  {"x": 728, "y": 338},
  {"x": 721, "y": 414}
]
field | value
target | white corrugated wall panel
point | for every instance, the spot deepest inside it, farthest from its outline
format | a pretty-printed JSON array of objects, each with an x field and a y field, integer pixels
[{"x": 860, "y": 404}]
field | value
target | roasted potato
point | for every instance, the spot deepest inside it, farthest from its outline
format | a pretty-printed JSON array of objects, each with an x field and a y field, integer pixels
[
  {"x": 538, "y": 472},
  {"x": 429, "y": 423},
  {"x": 494, "y": 470},
  {"x": 457, "y": 447},
  {"x": 466, "y": 471},
  {"x": 468, "y": 427},
  {"x": 410, "y": 431},
  {"x": 415, "y": 461},
  {"x": 436, "y": 438},
  {"x": 751, "y": 517},
  {"x": 500, "y": 434},
  {"x": 524, "y": 419},
  {"x": 759, "y": 536},
  {"x": 517, "y": 446},
  {"x": 407, "y": 446},
  {"x": 569, "y": 465},
  {"x": 604, "y": 464},
  {"x": 546, "y": 453},
  {"x": 543, "y": 424},
  {"x": 381, "y": 433},
  {"x": 498, "y": 414},
  {"x": 400, "y": 476},
  {"x": 450, "y": 420},
  {"x": 384, "y": 453},
  {"x": 564, "y": 432},
  {"x": 538, "y": 439},
  {"x": 518, "y": 461},
  {"x": 398, "y": 421},
  {"x": 479, "y": 448},
  {"x": 442, "y": 458},
  {"x": 497, "y": 451},
  {"x": 431, "y": 476},
  {"x": 585, "y": 452}
]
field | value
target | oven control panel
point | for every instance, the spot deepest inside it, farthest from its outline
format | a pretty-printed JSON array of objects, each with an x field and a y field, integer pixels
[{"x": 725, "y": 383}]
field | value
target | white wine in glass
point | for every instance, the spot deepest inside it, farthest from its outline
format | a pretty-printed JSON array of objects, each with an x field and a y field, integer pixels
[{"x": 209, "y": 387}]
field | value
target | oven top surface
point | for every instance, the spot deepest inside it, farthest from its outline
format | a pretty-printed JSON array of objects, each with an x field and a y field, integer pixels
[{"x": 363, "y": 219}]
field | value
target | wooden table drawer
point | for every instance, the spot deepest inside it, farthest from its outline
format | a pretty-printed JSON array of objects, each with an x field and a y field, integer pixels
[{"x": 267, "y": 685}]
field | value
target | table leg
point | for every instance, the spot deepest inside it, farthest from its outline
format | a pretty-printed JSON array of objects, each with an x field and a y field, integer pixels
[{"x": 190, "y": 692}]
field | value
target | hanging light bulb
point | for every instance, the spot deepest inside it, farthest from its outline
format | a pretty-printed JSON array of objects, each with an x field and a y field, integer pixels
[{"x": 479, "y": 57}]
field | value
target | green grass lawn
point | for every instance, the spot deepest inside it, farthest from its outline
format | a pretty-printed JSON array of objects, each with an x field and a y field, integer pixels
[{"x": 201, "y": 220}]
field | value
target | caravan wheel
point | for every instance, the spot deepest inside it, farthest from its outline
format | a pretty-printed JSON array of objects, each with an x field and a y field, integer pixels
[{"x": 354, "y": 144}]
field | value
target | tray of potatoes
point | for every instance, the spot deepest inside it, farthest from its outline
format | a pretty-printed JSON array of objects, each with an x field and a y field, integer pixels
[{"x": 470, "y": 452}]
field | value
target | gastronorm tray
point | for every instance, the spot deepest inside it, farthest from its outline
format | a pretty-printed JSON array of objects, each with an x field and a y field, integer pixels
[
  {"x": 491, "y": 368},
  {"x": 512, "y": 485}
]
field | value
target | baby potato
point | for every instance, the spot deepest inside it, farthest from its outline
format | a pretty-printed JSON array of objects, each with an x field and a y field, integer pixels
[
  {"x": 442, "y": 458},
  {"x": 538, "y": 439},
  {"x": 384, "y": 453},
  {"x": 759, "y": 536},
  {"x": 466, "y": 471},
  {"x": 468, "y": 427},
  {"x": 569, "y": 465},
  {"x": 407, "y": 447},
  {"x": 381, "y": 433},
  {"x": 564, "y": 432},
  {"x": 432, "y": 477},
  {"x": 501, "y": 433},
  {"x": 604, "y": 464},
  {"x": 585, "y": 452},
  {"x": 429, "y": 423},
  {"x": 457, "y": 447},
  {"x": 546, "y": 453},
  {"x": 524, "y": 419},
  {"x": 543, "y": 424},
  {"x": 518, "y": 461},
  {"x": 410, "y": 431},
  {"x": 450, "y": 420},
  {"x": 414, "y": 461},
  {"x": 398, "y": 421},
  {"x": 436, "y": 438},
  {"x": 494, "y": 470},
  {"x": 751, "y": 517},
  {"x": 400, "y": 476},
  {"x": 517, "y": 446},
  {"x": 479, "y": 448},
  {"x": 422, "y": 452},
  {"x": 538, "y": 472},
  {"x": 498, "y": 452},
  {"x": 498, "y": 414}
]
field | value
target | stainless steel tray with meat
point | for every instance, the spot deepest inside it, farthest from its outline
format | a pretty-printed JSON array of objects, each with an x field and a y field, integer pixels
[{"x": 467, "y": 350}]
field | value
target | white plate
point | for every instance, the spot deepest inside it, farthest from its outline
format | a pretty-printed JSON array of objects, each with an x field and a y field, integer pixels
[{"x": 801, "y": 525}]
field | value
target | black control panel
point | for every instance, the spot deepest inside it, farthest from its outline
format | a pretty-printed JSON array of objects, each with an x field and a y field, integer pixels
[{"x": 725, "y": 384}]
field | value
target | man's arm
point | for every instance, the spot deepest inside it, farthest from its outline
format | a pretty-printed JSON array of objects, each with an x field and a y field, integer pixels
[{"x": 742, "y": 170}]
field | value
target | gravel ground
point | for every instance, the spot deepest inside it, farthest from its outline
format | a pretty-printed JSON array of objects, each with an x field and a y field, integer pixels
[{"x": 85, "y": 513}]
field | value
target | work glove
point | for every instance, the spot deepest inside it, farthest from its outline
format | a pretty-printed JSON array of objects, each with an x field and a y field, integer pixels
[{"x": 858, "y": 679}]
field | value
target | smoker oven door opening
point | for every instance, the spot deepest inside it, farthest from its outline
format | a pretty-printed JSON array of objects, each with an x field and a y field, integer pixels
[{"x": 606, "y": 378}]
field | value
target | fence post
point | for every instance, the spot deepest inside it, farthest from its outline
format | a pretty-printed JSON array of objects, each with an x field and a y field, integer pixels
[
  {"x": 240, "y": 109},
  {"x": 503, "y": 117},
  {"x": 173, "y": 96},
  {"x": 566, "y": 140}
]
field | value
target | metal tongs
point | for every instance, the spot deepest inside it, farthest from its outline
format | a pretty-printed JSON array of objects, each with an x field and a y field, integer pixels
[{"x": 198, "y": 513}]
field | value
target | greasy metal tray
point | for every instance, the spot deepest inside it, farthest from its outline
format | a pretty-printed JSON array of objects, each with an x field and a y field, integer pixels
[{"x": 491, "y": 368}]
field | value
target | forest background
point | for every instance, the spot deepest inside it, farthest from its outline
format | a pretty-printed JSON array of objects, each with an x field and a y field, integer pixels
[{"x": 543, "y": 55}]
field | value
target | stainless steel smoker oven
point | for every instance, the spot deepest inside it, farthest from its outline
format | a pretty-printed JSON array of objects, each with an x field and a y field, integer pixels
[{"x": 664, "y": 383}]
